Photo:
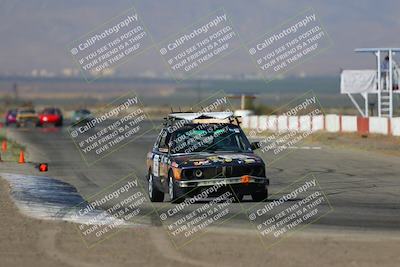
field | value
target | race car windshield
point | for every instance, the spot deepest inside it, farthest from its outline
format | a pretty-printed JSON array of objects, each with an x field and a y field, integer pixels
[
  {"x": 209, "y": 138},
  {"x": 51, "y": 111},
  {"x": 27, "y": 111},
  {"x": 83, "y": 112}
]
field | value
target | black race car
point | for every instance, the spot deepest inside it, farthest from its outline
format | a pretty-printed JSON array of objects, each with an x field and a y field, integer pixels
[{"x": 196, "y": 151}]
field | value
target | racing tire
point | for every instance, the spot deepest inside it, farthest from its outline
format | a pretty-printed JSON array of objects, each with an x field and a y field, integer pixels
[
  {"x": 260, "y": 196},
  {"x": 155, "y": 195},
  {"x": 176, "y": 194},
  {"x": 237, "y": 197},
  {"x": 59, "y": 124}
]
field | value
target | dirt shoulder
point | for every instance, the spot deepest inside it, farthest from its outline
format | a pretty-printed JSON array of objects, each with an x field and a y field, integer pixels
[
  {"x": 25, "y": 241},
  {"x": 387, "y": 145},
  {"x": 383, "y": 144},
  {"x": 19, "y": 243}
]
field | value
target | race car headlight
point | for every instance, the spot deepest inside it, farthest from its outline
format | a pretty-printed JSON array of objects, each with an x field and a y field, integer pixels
[{"x": 198, "y": 173}]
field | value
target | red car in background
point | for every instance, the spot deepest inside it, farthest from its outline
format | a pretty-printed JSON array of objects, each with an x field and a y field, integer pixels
[{"x": 51, "y": 116}]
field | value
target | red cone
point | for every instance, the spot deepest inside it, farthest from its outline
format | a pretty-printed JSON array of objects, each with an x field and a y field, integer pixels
[
  {"x": 21, "y": 157},
  {"x": 4, "y": 145}
]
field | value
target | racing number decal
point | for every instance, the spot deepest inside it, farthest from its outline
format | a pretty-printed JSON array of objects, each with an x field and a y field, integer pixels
[
  {"x": 156, "y": 165},
  {"x": 163, "y": 166}
]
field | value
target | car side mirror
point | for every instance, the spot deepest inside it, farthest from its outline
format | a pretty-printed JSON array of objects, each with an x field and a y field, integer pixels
[
  {"x": 163, "y": 149},
  {"x": 255, "y": 145}
]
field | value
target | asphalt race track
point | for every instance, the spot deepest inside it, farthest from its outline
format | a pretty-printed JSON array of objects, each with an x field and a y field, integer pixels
[{"x": 363, "y": 188}]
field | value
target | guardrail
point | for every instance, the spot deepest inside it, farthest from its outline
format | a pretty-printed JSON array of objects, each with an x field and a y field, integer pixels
[{"x": 330, "y": 123}]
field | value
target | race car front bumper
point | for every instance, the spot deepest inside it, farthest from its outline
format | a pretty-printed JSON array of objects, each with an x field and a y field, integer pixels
[{"x": 250, "y": 180}]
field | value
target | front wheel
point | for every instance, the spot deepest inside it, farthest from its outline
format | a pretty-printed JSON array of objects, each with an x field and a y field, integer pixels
[
  {"x": 260, "y": 195},
  {"x": 59, "y": 124},
  {"x": 176, "y": 194},
  {"x": 237, "y": 197},
  {"x": 155, "y": 195}
]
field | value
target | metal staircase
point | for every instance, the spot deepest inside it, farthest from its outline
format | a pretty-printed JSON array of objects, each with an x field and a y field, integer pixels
[
  {"x": 386, "y": 100},
  {"x": 383, "y": 85}
]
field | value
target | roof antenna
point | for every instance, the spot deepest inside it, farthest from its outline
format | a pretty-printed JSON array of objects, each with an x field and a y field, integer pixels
[
  {"x": 172, "y": 111},
  {"x": 180, "y": 109}
]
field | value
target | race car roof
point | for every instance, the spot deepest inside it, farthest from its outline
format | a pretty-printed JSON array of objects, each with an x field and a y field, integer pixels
[{"x": 201, "y": 115}]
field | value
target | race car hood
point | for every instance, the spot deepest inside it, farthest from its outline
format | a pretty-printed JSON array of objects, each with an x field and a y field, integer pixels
[
  {"x": 214, "y": 159},
  {"x": 27, "y": 116}
]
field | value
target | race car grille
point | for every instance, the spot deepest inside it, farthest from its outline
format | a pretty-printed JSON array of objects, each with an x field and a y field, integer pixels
[
  {"x": 236, "y": 171},
  {"x": 225, "y": 172},
  {"x": 207, "y": 173}
]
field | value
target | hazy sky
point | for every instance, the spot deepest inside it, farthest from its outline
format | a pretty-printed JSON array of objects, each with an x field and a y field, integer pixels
[{"x": 35, "y": 34}]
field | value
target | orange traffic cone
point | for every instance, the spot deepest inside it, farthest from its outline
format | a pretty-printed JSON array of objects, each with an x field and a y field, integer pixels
[
  {"x": 4, "y": 145},
  {"x": 21, "y": 157}
]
